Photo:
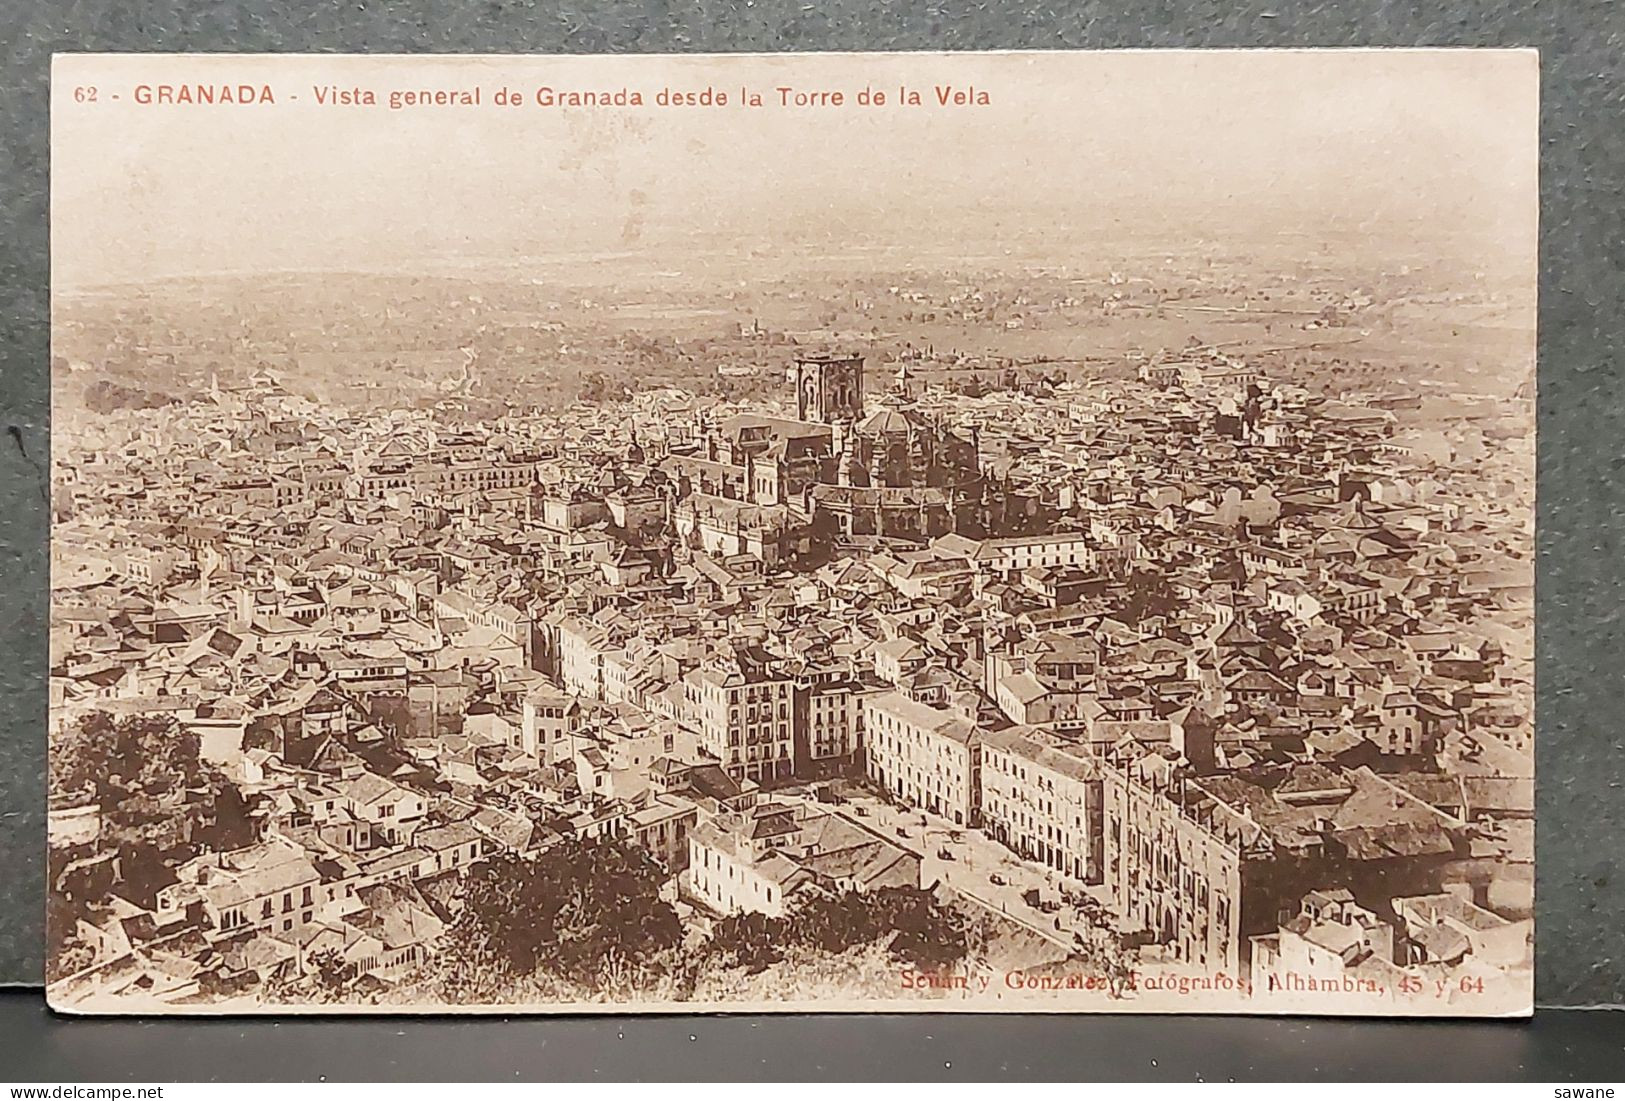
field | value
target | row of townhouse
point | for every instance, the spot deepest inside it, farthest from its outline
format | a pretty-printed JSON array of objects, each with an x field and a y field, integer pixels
[
  {"x": 395, "y": 475},
  {"x": 1035, "y": 791},
  {"x": 926, "y": 756},
  {"x": 742, "y": 709},
  {"x": 1010, "y": 555},
  {"x": 760, "y": 720},
  {"x": 279, "y": 885},
  {"x": 340, "y": 835},
  {"x": 1205, "y": 865},
  {"x": 1041, "y": 798}
]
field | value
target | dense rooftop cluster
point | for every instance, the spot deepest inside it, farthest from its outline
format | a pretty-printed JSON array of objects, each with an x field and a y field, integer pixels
[{"x": 1242, "y": 671}]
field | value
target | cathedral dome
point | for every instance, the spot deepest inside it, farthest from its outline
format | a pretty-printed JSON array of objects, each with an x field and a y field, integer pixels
[
  {"x": 885, "y": 422},
  {"x": 892, "y": 417}
]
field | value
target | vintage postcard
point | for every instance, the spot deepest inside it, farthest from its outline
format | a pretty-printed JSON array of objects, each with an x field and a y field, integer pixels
[{"x": 1040, "y": 532}]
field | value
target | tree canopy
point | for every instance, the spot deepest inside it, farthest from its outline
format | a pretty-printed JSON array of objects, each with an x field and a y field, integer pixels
[
  {"x": 575, "y": 912},
  {"x": 585, "y": 919},
  {"x": 915, "y": 927}
]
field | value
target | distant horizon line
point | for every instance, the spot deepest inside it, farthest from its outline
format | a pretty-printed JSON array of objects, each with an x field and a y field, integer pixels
[{"x": 508, "y": 267}]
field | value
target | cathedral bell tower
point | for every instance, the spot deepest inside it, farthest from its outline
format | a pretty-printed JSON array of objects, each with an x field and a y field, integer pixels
[{"x": 829, "y": 388}]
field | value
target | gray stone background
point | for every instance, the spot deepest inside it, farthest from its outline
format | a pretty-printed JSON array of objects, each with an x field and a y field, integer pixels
[{"x": 1580, "y": 934}]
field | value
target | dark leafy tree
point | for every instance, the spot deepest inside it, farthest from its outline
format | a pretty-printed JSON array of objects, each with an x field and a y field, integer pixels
[
  {"x": 929, "y": 934},
  {"x": 917, "y": 929},
  {"x": 1148, "y": 595},
  {"x": 159, "y": 800},
  {"x": 752, "y": 941},
  {"x": 578, "y": 909},
  {"x": 111, "y": 759}
]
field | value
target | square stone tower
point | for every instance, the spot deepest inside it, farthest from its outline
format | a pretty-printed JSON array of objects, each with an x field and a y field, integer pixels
[{"x": 829, "y": 388}]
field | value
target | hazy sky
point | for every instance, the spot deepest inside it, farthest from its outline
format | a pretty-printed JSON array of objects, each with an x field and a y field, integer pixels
[{"x": 1220, "y": 144}]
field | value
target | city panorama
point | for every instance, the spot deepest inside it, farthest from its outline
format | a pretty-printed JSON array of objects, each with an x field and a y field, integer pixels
[{"x": 718, "y": 572}]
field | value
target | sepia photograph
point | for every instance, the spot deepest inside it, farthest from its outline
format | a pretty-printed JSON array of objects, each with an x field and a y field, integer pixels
[{"x": 1041, "y": 532}]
